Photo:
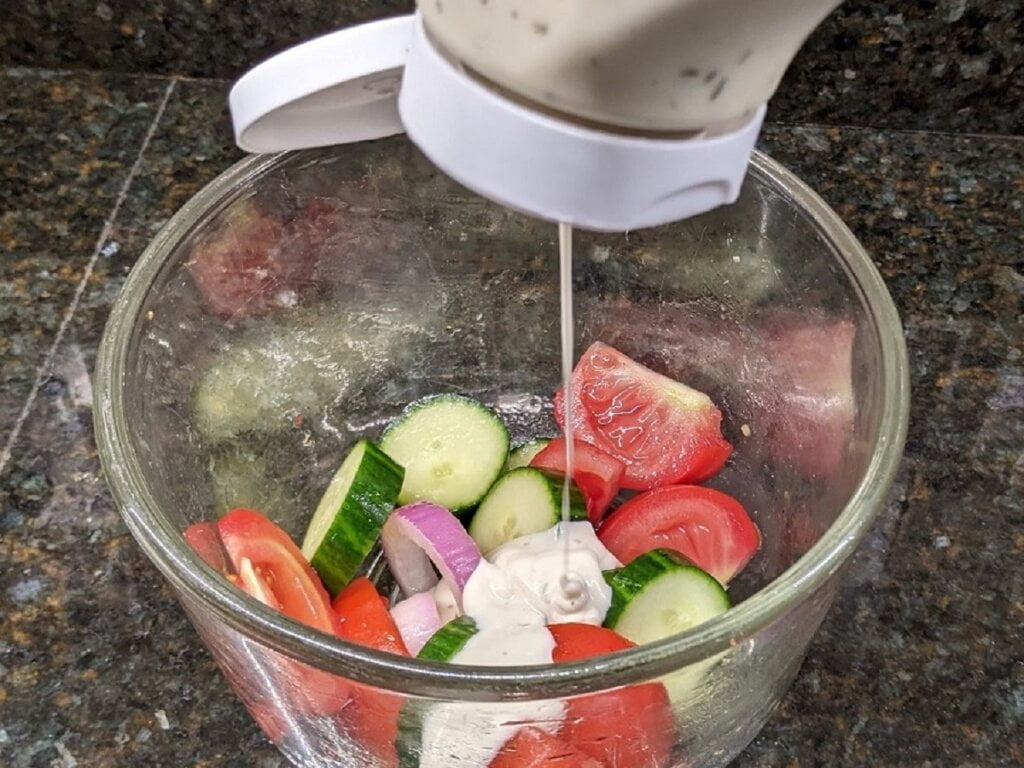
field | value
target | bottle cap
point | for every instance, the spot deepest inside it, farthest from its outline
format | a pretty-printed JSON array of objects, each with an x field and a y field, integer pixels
[{"x": 342, "y": 88}]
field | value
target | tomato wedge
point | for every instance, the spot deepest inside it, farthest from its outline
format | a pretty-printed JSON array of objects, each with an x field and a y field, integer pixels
[
  {"x": 662, "y": 430},
  {"x": 630, "y": 727},
  {"x": 534, "y": 748},
  {"x": 205, "y": 540},
  {"x": 595, "y": 473},
  {"x": 373, "y": 714},
  {"x": 274, "y": 556},
  {"x": 709, "y": 528},
  {"x": 272, "y": 569},
  {"x": 364, "y": 618}
]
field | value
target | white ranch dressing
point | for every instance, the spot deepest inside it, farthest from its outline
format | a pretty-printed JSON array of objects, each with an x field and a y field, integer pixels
[{"x": 540, "y": 564}]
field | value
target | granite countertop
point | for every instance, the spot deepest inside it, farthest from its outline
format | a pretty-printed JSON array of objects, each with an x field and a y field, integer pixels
[{"x": 921, "y": 659}]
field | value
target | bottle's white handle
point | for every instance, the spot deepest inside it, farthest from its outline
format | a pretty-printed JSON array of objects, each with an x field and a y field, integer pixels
[{"x": 335, "y": 89}]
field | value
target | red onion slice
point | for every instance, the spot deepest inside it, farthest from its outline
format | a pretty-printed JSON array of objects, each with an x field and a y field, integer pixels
[
  {"x": 417, "y": 620},
  {"x": 422, "y": 533}
]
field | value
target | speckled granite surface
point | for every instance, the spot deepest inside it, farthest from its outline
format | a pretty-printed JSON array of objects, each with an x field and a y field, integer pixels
[
  {"x": 921, "y": 660},
  {"x": 955, "y": 65}
]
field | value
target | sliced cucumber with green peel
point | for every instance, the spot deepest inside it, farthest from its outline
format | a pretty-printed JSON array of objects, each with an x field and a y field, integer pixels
[
  {"x": 448, "y": 640},
  {"x": 523, "y": 455},
  {"x": 452, "y": 448},
  {"x": 523, "y": 501},
  {"x": 658, "y": 594},
  {"x": 353, "y": 509}
]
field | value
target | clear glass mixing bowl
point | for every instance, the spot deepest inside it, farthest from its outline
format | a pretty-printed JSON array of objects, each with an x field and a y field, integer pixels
[{"x": 299, "y": 301}]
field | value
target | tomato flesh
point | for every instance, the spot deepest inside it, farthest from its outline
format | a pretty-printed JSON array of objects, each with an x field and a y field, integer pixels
[
  {"x": 596, "y": 474},
  {"x": 662, "y": 430},
  {"x": 709, "y": 528},
  {"x": 205, "y": 540},
  {"x": 534, "y": 748},
  {"x": 294, "y": 583},
  {"x": 630, "y": 727},
  {"x": 272, "y": 569},
  {"x": 364, "y": 618},
  {"x": 373, "y": 714}
]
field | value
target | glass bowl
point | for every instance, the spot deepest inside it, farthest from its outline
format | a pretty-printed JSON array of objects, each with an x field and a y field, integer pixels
[{"x": 299, "y": 301}]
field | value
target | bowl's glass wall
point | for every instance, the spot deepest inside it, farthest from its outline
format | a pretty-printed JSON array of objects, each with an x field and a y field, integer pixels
[{"x": 385, "y": 281}]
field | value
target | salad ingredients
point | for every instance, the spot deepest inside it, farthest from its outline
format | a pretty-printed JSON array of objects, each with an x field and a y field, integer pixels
[
  {"x": 204, "y": 539},
  {"x": 533, "y": 748},
  {"x": 351, "y": 513},
  {"x": 364, "y": 619},
  {"x": 444, "y": 599},
  {"x": 271, "y": 569},
  {"x": 597, "y": 474},
  {"x": 279, "y": 563},
  {"x": 254, "y": 584},
  {"x": 482, "y": 728},
  {"x": 526, "y": 500},
  {"x": 523, "y": 455},
  {"x": 417, "y": 619},
  {"x": 446, "y": 643},
  {"x": 420, "y": 537},
  {"x": 709, "y": 528},
  {"x": 452, "y": 448},
  {"x": 629, "y": 727},
  {"x": 657, "y": 595},
  {"x": 662, "y": 430}
]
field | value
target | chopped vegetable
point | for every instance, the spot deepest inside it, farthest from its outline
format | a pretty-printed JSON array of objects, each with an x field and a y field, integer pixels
[
  {"x": 351, "y": 513},
  {"x": 420, "y": 537},
  {"x": 595, "y": 473},
  {"x": 709, "y": 528},
  {"x": 657, "y": 595},
  {"x": 526, "y": 500},
  {"x": 364, "y": 619},
  {"x": 523, "y": 455},
  {"x": 417, "y": 619},
  {"x": 452, "y": 448},
  {"x": 662, "y": 430},
  {"x": 448, "y": 640},
  {"x": 205, "y": 540},
  {"x": 534, "y": 748},
  {"x": 272, "y": 570},
  {"x": 630, "y": 727},
  {"x": 276, "y": 559}
]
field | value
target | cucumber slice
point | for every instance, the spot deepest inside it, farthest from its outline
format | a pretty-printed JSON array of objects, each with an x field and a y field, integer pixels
[
  {"x": 523, "y": 455},
  {"x": 452, "y": 447},
  {"x": 448, "y": 640},
  {"x": 348, "y": 520},
  {"x": 658, "y": 594},
  {"x": 526, "y": 500}
]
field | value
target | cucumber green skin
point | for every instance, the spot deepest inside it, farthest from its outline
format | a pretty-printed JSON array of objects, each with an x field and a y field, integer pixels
[
  {"x": 426, "y": 402},
  {"x": 358, "y": 520},
  {"x": 523, "y": 455},
  {"x": 577, "y": 504},
  {"x": 630, "y": 580},
  {"x": 448, "y": 640},
  {"x": 442, "y": 646}
]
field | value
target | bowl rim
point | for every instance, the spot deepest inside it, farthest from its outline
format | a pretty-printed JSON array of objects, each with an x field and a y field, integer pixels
[{"x": 195, "y": 580}]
